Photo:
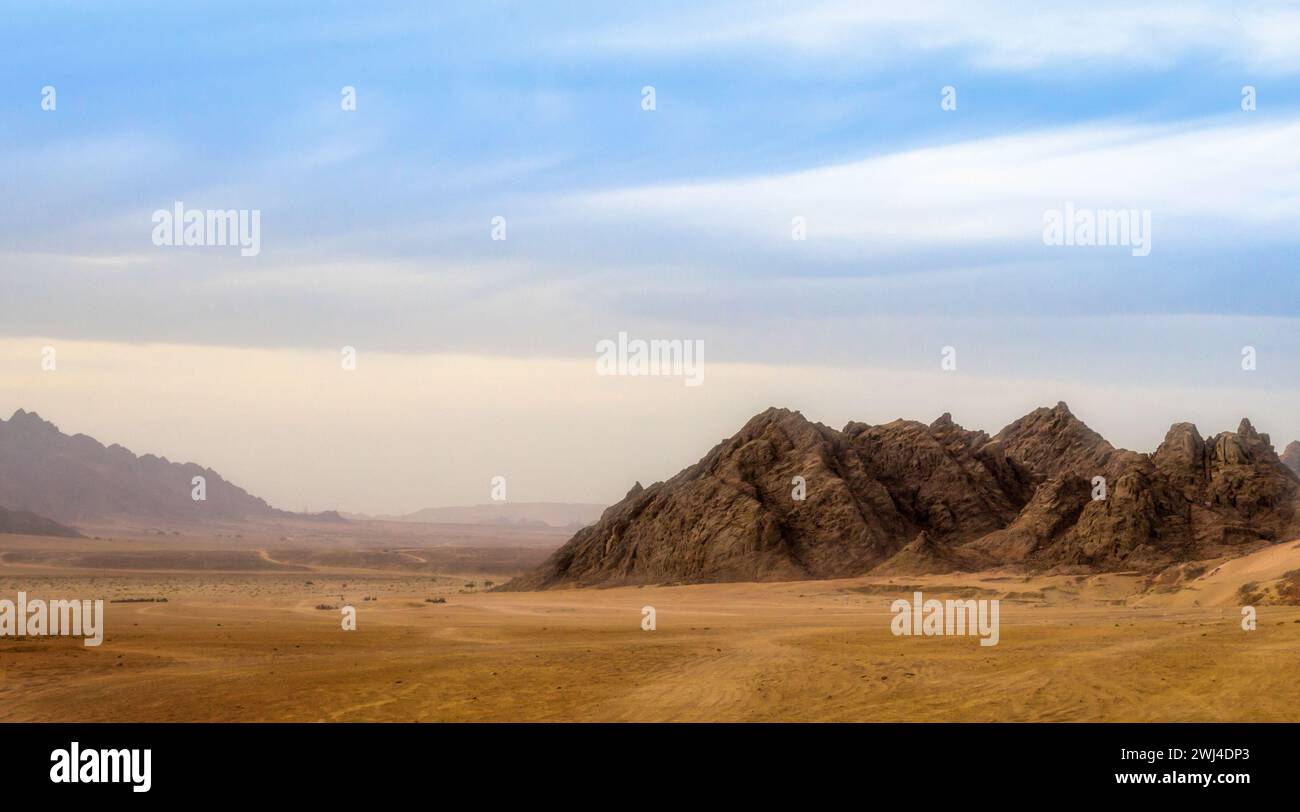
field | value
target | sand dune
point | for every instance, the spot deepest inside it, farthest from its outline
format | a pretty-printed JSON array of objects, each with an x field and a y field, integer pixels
[{"x": 1252, "y": 579}]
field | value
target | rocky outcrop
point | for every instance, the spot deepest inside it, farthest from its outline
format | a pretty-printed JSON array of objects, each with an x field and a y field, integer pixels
[
  {"x": 1054, "y": 509},
  {"x": 1046, "y": 492},
  {"x": 1235, "y": 486},
  {"x": 734, "y": 516},
  {"x": 935, "y": 478},
  {"x": 923, "y": 556}
]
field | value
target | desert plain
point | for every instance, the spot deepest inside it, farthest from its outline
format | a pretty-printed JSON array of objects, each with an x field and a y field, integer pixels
[{"x": 242, "y": 637}]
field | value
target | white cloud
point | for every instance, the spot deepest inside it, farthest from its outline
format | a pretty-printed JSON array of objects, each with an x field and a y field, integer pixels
[
  {"x": 1244, "y": 173},
  {"x": 1003, "y": 35}
]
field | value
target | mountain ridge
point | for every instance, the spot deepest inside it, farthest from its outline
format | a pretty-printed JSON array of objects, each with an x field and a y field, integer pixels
[
  {"x": 1044, "y": 493},
  {"x": 523, "y": 514},
  {"x": 75, "y": 478}
]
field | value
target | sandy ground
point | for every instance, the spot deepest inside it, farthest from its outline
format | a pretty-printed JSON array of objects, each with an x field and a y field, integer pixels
[{"x": 245, "y": 642}]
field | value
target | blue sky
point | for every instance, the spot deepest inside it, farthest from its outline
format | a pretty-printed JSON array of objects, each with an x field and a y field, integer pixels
[
  {"x": 924, "y": 225},
  {"x": 530, "y": 110}
]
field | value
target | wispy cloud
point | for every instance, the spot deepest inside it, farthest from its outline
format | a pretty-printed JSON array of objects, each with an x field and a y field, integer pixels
[
  {"x": 1238, "y": 174},
  {"x": 1109, "y": 36}
]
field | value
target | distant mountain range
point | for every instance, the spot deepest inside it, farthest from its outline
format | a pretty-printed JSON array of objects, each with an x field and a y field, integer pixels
[
  {"x": 72, "y": 479},
  {"x": 1044, "y": 493},
  {"x": 527, "y": 514}
]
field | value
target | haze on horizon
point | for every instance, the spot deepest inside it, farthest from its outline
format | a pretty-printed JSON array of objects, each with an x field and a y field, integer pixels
[{"x": 475, "y": 356}]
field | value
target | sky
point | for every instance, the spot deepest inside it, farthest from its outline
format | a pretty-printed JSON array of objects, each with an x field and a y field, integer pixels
[{"x": 923, "y": 222}]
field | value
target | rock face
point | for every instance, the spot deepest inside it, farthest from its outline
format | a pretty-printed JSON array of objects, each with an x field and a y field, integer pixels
[
  {"x": 29, "y": 524},
  {"x": 731, "y": 516},
  {"x": 1046, "y": 492},
  {"x": 74, "y": 478}
]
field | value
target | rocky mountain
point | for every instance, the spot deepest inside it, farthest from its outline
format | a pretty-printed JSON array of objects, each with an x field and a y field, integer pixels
[
  {"x": 1044, "y": 493},
  {"x": 1291, "y": 456},
  {"x": 29, "y": 524},
  {"x": 75, "y": 478}
]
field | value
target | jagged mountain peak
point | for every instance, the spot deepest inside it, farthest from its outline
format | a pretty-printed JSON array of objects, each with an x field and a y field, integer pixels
[
  {"x": 30, "y": 421},
  {"x": 943, "y": 421}
]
